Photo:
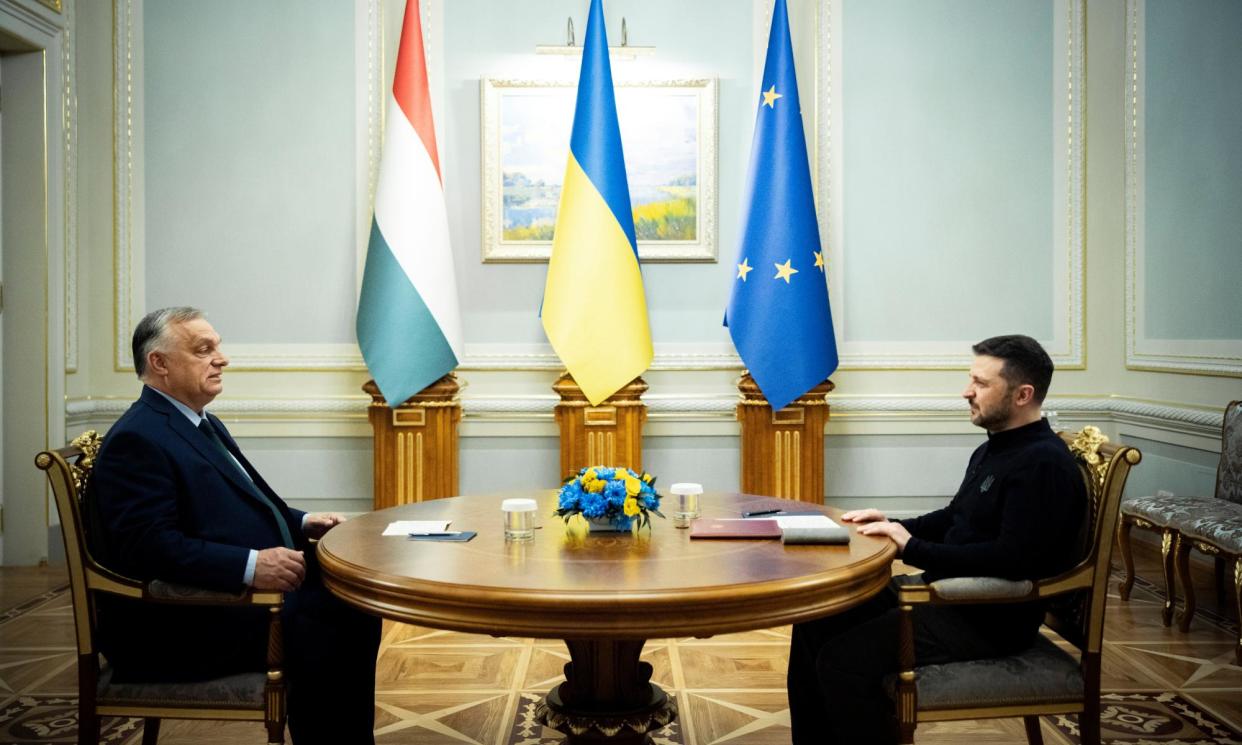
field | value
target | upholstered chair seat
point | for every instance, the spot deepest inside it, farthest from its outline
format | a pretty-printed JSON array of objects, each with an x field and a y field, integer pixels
[
  {"x": 1042, "y": 674},
  {"x": 240, "y": 691},
  {"x": 1167, "y": 512}
]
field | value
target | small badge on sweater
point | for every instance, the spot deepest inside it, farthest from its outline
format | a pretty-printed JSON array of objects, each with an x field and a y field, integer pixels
[{"x": 987, "y": 483}]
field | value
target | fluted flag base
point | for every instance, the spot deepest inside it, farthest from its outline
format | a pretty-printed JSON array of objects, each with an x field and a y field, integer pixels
[
  {"x": 609, "y": 434},
  {"x": 415, "y": 444},
  {"x": 783, "y": 450}
]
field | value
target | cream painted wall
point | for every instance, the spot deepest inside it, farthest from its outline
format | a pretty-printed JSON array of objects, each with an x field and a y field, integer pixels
[{"x": 898, "y": 436}]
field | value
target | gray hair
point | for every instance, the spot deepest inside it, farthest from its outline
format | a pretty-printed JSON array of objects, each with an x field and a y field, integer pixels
[{"x": 151, "y": 332}]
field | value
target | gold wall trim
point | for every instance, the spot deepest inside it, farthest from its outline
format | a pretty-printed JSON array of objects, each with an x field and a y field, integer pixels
[{"x": 1214, "y": 358}]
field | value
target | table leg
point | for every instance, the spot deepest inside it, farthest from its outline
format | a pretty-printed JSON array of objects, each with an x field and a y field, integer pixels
[{"x": 607, "y": 695}]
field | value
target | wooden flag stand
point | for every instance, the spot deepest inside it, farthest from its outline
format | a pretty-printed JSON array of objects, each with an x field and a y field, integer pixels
[
  {"x": 783, "y": 451},
  {"x": 610, "y": 434},
  {"x": 415, "y": 443}
]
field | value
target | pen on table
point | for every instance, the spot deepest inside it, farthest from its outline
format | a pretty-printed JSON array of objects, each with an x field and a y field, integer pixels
[
  {"x": 756, "y": 513},
  {"x": 431, "y": 533}
]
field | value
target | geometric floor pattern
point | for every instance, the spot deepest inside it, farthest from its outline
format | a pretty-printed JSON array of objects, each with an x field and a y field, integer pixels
[{"x": 435, "y": 687}]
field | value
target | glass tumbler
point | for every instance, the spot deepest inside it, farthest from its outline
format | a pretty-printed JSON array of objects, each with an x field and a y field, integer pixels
[
  {"x": 519, "y": 517},
  {"x": 687, "y": 508}
]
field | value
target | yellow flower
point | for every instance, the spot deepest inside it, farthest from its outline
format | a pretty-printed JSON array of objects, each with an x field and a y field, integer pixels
[
  {"x": 632, "y": 486},
  {"x": 588, "y": 477},
  {"x": 648, "y": 477},
  {"x": 595, "y": 487},
  {"x": 631, "y": 506}
]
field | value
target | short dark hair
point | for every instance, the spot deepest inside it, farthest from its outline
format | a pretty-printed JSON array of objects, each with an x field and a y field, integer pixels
[
  {"x": 150, "y": 333},
  {"x": 1026, "y": 362}
]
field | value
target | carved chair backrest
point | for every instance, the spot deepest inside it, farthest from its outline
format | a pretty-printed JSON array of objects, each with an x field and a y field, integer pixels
[
  {"x": 68, "y": 470},
  {"x": 1079, "y": 617},
  {"x": 1229, "y": 472}
]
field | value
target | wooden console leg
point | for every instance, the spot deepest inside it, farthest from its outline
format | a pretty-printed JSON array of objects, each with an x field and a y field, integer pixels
[
  {"x": 1237, "y": 598},
  {"x": 1127, "y": 557},
  {"x": 1182, "y": 560},
  {"x": 1166, "y": 557}
]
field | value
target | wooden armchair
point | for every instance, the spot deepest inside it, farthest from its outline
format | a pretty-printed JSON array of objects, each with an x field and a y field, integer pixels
[
  {"x": 1043, "y": 679},
  {"x": 1212, "y": 524},
  {"x": 247, "y": 696}
]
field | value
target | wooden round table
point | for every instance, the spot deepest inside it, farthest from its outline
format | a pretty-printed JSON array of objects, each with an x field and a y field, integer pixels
[{"x": 605, "y": 594}]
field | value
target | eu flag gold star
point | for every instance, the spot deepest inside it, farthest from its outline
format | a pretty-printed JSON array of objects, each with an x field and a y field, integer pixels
[
  {"x": 819, "y": 261},
  {"x": 770, "y": 96},
  {"x": 743, "y": 269},
  {"x": 784, "y": 271}
]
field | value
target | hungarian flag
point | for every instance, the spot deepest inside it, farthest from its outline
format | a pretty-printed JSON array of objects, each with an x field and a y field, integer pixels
[{"x": 409, "y": 325}]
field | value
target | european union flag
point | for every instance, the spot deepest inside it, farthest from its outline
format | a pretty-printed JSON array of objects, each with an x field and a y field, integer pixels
[{"x": 778, "y": 312}]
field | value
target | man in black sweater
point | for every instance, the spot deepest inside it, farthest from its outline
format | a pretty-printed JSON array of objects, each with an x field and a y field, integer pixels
[{"x": 1018, "y": 515}]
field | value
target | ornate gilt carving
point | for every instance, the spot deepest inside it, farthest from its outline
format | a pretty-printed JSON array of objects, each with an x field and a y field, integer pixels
[
  {"x": 1086, "y": 445},
  {"x": 89, "y": 443}
]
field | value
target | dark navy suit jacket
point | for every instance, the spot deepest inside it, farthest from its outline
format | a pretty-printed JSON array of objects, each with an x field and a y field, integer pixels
[{"x": 167, "y": 504}]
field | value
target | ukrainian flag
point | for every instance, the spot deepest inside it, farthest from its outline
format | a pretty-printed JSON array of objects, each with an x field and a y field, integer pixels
[{"x": 594, "y": 308}]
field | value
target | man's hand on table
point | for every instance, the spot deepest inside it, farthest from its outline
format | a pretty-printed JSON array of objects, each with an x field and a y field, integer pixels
[
  {"x": 318, "y": 523},
  {"x": 896, "y": 531}
]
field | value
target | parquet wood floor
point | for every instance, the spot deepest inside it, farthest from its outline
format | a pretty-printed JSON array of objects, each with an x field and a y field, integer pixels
[{"x": 435, "y": 687}]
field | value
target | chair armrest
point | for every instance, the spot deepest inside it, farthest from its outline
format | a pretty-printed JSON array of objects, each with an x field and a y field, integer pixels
[
  {"x": 966, "y": 590},
  {"x": 170, "y": 592}
]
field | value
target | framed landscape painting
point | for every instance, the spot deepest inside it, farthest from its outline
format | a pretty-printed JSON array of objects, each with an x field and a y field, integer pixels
[{"x": 668, "y": 135}]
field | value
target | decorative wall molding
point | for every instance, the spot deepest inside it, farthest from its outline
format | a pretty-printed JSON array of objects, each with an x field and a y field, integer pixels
[
  {"x": 69, "y": 144},
  {"x": 129, "y": 281},
  {"x": 1189, "y": 419},
  {"x": 1194, "y": 356},
  {"x": 1066, "y": 347}
]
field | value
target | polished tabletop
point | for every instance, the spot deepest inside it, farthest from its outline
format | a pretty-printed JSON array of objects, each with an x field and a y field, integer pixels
[{"x": 565, "y": 583}]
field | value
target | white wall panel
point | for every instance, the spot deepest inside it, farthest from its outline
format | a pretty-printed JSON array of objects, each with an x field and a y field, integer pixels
[{"x": 1183, "y": 186}]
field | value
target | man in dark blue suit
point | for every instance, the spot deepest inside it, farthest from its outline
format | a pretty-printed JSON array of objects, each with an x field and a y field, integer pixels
[{"x": 173, "y": 498}]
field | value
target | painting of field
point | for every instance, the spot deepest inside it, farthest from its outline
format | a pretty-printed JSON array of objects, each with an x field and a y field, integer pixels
[{"x": 659, "y": 136}]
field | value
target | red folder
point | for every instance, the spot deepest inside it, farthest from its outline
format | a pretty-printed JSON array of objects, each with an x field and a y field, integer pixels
[{"x": 715, "y": 527}]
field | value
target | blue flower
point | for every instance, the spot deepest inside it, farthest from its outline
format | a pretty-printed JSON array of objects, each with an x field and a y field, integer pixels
[
  {"x": 571, "y": 495},
  {"x": 614, "y": 491},
  {"x": 593, "y": 505},
  {"x": 650, "y": 502}
]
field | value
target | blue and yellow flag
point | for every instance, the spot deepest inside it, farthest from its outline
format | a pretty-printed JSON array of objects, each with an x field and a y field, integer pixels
[
  {"x": 594, "y": 308},
  {"x": 778, "y": 312}
]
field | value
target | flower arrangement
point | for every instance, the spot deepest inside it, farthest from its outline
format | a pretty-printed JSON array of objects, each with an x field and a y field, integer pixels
[{"x": 618, "y": 495}]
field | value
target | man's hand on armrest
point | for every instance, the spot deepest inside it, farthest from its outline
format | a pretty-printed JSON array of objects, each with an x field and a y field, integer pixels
[{"x": 280, "y": 569}]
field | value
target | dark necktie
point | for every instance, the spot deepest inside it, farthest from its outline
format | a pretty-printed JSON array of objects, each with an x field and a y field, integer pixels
[{"x": 207, "y": 429}]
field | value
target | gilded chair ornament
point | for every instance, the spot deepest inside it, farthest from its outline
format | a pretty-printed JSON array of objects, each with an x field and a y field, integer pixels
[
  {"x": 89, "y": 443},
  {"x": 1086, "y": 444}
]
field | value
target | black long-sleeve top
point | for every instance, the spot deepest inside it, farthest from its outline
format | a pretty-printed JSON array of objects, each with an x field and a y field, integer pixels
[{"x": 1019, "y": 514}]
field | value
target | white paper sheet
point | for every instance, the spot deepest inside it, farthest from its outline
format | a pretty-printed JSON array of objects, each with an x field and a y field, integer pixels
[
  {"x": 404, "y": 527},
  {"x": 804, "y": 521}
]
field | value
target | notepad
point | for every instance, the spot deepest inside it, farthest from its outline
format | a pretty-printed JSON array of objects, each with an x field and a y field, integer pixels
[{"x": 404, "y": 527}]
